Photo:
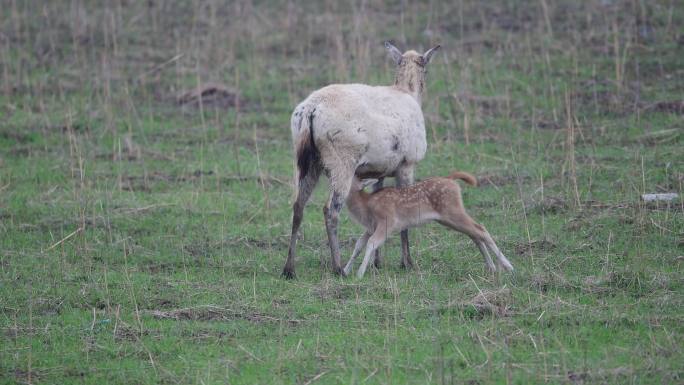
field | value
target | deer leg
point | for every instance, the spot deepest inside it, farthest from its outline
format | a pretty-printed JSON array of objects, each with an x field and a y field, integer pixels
[
  {"x": 499, "y": 255},
  {"x": 473, "y": 234},
  {"x": 331, "y": 212},
  {"x": 462, "y": 222},
  {"x": 485, "y": 253},
  {"x": 376, "y": 240},
  {"x": 377, "y": 261},
  {"x": 360, "y": 244},
  {"x": 304, "y": 190},
  {"x": 404, "y": 177}
]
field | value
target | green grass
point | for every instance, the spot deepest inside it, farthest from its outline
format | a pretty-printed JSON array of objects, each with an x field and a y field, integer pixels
[{"x": 142, "y": 241}]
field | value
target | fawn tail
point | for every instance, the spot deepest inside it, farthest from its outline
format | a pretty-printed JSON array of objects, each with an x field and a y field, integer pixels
[{"x": 464, "y": 176}]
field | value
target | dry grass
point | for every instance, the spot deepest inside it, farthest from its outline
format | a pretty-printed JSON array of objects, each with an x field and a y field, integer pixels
[{"x": 145, "y": 169}]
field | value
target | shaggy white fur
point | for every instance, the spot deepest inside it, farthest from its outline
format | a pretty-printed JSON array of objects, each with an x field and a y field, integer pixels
[{"x": 356, "y": 129}]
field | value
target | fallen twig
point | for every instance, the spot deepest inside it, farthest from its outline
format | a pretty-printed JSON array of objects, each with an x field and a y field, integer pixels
[
  {"x": 668, "y": 197},
  {"x": 249, "y": 353},
  {"x": 78, "y": 230},
  {"x": 316, "y": 377}
]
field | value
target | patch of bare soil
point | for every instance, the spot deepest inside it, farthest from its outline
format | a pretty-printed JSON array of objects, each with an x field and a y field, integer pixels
[
  {"x": 326, "y": 291},
  {"x": 655, "y": 206},
  {"x": 658, "y": 137},
  {"x": 208, "y": 335},
  {"x": 549, "y": 205},
  {"x": 602, "y": 95},
  {"x": 578, "y": 377},
  {"x": 544, "y": 124},
  {"x": 618, "y": 375},
  {"x": 75, "y": 127},
  {"x": 636, "y": 282},
  {"x": 26, "y": 377},
  {"x": 214, "y": 313},
  {"x": 200, "y": 248},
  {"x": 48, "y": 305},
  {"x": 17, "y": 137},
  {"x": 209, "y": 95},
  {"x": 597, "y": 283},
  {"x": 528, "y": 248},
  {"x": 164, "y": 303},
  {"x": 144, "y": 182},
  {"x": 490, "y": 302},
  {"x": 500, "y": 179},
  {"x": 125, "y": 333},
  {"x": 543, "y": 282},
  {"x": 256, "y": 243},
  {"x": 132, "y": 151},
  {"x": 671, "y": 106},
  {"x": 484, "y": 105}
]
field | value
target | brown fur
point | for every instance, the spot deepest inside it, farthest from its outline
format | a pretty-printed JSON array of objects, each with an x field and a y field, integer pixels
[
  {"x": 464, "y": 176},
  {"x": 394, "y": 209},
  {"x": 342, "y": 129}
]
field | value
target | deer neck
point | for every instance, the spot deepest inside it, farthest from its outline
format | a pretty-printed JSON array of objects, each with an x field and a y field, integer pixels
[
  {"x": 411, "y": 82},
  {"x": 357, "y": 203}
]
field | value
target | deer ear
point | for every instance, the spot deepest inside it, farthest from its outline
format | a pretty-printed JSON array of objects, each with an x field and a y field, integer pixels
[
  {"x": 394, "y": 53},
  {"x": 368, "y": 182},
  {"x": 427, "y": 55}
]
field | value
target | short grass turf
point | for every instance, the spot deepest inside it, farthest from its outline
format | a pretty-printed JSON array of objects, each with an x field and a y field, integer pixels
[{"x": 142, "y": 234}]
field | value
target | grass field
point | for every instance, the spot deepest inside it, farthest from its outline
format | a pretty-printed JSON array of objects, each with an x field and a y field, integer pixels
[{"x": 143, "y": 230}]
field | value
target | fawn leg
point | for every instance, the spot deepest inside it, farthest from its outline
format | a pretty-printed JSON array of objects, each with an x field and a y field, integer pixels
[
  {"x": 375, "y": 241},
  {"x": 404, "y": 177},
  {"x": 360, "y": 244},
  {"x": 377, "y": 261}
]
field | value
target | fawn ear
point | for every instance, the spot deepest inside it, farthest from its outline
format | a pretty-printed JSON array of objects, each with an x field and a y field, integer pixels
[
  {"x": 368, "y": 182},
  {"x": 428, "y": 54},
  {"x": 394, "y": 52}
]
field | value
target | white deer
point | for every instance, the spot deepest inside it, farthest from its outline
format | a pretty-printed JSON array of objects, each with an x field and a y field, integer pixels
[{"x": 357, "y": 129}]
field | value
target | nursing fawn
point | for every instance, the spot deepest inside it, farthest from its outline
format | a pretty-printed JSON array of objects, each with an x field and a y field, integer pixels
[{"x": 394, "y": 209}]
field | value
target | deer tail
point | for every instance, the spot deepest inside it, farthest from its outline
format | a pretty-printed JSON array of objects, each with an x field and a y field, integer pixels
[{"x": 464, "y": 176}]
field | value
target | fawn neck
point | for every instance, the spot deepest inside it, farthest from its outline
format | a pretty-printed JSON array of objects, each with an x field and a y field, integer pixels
[{"x": 357, "y": 203}]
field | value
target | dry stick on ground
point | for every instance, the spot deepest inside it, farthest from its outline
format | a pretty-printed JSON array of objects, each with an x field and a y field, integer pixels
[
  {"x": 261, "y": 177},
  {"x": 236, "y": 130},
  {"x": 465, "y": 105},
  {"x": 547, "y": 19},
  {"x": 264, "y": 189},
  {"x": 158, "y": 67},
  {"x": 524, "y": 211},
  {"x": 452, "y": 103},
  {"x": 137, "y": 310},
  {"x": 616, "y": 53},
  {"x": 570, "y": 149},
  {"x": 249, "y": 353},
  {"x": 316, "y": 377},
  {"x": 78, "y": 230}
]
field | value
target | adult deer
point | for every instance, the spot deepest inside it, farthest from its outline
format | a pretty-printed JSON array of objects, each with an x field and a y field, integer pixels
[{"x": 357, "y": 129}]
